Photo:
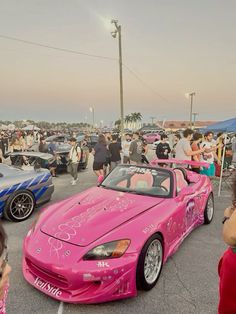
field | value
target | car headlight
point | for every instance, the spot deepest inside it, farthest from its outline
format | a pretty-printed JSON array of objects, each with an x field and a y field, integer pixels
[{"x": 112, "y": 249}]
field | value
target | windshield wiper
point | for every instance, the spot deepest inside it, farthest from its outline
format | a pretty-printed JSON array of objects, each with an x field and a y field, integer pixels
[{"x": 113, "y": 188}]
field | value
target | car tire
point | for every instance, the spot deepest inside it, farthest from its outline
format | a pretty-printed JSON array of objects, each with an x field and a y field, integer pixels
[
  {"x": 147, "y": 280},
  {"x": 209, "y": 210},
  {"x": 19, "y": 206}
]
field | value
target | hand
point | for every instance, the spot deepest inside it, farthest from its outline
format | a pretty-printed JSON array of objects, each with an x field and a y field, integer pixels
[
  {"x": 228, "y": 212},
  {"x": 219, "y": 162}
]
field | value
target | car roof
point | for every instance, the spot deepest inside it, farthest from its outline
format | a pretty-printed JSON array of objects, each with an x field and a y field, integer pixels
[
  {"x": 32, "y": 154},
  {"x": 52, "y": 137}
]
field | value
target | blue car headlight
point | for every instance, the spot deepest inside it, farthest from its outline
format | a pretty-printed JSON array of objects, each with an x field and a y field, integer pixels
[{"x": 112, "y": 249}]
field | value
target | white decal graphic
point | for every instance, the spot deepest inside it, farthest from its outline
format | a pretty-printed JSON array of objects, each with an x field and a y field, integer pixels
[
  {"x": 47, "y": 287},
  {"x": 90, "y": 277},
  {"x": 68, "y": 230},
  {"x": 190, "y": 212},
  {"x": 148, "y": 229},
  {"x": 103, "y": 264}
]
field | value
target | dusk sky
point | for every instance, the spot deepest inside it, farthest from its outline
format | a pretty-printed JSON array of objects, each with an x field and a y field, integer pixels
[{"x": 173, "y": 47}]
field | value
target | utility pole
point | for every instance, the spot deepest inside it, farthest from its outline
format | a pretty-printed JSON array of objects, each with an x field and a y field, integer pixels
[{"x": 114, "y": 33}]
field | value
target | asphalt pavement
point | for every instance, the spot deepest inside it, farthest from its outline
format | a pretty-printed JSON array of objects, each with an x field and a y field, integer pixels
[{"x": 188, "y": 283}]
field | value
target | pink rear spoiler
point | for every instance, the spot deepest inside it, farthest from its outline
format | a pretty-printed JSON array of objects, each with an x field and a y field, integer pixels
[{"x": 155, "y": 162}]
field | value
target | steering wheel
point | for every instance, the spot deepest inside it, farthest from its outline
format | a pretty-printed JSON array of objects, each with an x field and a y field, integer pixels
[{"x": 164, "y": 188}]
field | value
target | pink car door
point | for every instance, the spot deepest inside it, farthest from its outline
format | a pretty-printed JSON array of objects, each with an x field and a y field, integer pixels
[
  {"x": 174, "y": 217},
  {"x": 186, "y": 195}
]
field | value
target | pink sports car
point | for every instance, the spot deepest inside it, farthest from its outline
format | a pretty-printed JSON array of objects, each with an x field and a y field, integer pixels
[
  {"x": 108, "y": 241},
  {"x": 150, "y": 138}
]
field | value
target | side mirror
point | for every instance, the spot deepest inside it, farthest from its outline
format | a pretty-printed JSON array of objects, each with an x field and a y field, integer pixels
[{"x": 100, "y": 179}]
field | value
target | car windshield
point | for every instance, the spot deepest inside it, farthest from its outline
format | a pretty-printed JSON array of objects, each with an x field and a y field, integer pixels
[{"x": 139, "y": 180}]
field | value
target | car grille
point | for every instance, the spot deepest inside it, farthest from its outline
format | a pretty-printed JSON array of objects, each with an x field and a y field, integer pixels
[{"x": 54, "y": 278}]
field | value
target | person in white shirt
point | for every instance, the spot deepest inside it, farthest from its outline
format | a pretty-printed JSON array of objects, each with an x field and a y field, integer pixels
[
  {"x": 183, "y": 150},
  {"x": 209, "y": 154},
  {"x": 125, "y": 148},
  {"x": 74, "y": 158}
]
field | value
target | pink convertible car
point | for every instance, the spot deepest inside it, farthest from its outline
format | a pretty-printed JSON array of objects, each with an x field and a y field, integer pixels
[{"x": 108, "y": 241}]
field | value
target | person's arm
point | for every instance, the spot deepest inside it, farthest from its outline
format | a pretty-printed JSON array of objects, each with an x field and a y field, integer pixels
[
  {"x": 216, "y": 157},
  {"x": 229, "y": 229},
  {"x": 189, "y": 152}
]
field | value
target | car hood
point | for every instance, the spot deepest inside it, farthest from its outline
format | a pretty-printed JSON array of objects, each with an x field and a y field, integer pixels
[{"x": 88, "y": 216}]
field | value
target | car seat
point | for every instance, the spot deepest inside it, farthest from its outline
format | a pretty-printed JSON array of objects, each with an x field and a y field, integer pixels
[
  {"x": 180, "y": 180},
  {"x": 141, "y": 181}
]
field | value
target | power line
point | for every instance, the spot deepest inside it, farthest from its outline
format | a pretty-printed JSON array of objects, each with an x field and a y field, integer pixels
[
  {"x": 83, "y": 54},
  {"x": 57, "y": 48},
  {"x": 144, "y": 83}
]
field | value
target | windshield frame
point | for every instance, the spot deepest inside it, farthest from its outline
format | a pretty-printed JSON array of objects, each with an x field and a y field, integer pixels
[{"x": 159, "y": 169}]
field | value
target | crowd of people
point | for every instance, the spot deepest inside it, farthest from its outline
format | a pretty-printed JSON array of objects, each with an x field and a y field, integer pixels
[{"x": 110, "y": 150}]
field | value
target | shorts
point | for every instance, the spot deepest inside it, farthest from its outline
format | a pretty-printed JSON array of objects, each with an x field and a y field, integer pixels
[
  {"x": 210, "y": 172},
  {"x": 98, "y": 165}
]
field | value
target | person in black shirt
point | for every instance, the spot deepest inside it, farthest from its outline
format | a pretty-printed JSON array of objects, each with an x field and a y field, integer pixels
[
  {"x": 115, "y": 149},
  {"x": 163, "y": 148}
]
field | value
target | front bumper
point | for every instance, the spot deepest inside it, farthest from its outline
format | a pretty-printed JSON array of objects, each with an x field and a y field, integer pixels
[{"x": 84, "y": 281}]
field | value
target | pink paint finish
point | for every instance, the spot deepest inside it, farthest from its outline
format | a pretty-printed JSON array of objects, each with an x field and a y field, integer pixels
[
  {"x": 150, "y": 138},
  {"x": 155, "y": 162},
  {"x": 54, "y": 249}
]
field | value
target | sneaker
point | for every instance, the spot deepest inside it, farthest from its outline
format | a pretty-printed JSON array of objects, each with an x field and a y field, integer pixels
[{"x": 73, "y": 182}]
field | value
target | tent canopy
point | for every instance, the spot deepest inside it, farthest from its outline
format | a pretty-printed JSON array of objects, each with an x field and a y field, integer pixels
[
  {"x": 224, "y": 126},
  {"x": 31, "y": 127}
]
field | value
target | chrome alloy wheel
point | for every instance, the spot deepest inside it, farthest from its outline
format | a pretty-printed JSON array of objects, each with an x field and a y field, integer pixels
[
  {"x": 210, "y": 208},
  {"x": 21, "y": 206},
  {"x": 153, "y": 261}
]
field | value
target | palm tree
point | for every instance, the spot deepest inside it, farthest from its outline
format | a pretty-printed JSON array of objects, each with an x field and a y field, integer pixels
[
  {"x": 136, "y": 117},
  {"x": 128, "y": 120}
]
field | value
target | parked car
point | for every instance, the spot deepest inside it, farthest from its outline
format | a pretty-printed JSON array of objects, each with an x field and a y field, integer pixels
[
  {"x": 150, "y": 138},
  {"x": 44, "y": 159},
  {"x": 108, "y": 241},
  {"x": 63, "y": 138},
  {"x": 21, "y": 190}
]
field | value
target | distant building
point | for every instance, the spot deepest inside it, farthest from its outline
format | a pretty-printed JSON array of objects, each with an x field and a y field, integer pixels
[{"x": 175, "y": 125}]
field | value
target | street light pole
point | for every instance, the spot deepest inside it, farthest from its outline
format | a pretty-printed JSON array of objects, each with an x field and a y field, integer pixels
[
  {"x": 118, "y": 31},
  {"x": 195, "y": 114},
  {"x": 152, "y": 119},
  {"x": 92, "y": 110},
  {"x": 191, "y": 108}
]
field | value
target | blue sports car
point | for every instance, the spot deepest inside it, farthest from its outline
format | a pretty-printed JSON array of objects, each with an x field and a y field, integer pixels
[{"x": 21, "y": 190}]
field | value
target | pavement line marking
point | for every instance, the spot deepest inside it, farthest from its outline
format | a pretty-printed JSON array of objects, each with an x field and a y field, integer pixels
[{"x": 60, "y": 309}]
